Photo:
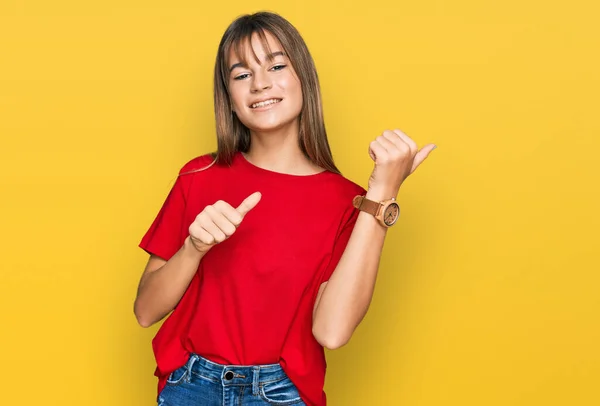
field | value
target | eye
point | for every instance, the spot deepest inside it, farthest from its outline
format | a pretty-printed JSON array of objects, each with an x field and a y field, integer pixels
[
  {"x": 242, "y": 76},
  {"x": 278, "y": 67}
]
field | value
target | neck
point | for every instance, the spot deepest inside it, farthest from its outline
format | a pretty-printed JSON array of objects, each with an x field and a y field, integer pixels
[{"x": 279, "y": 151}]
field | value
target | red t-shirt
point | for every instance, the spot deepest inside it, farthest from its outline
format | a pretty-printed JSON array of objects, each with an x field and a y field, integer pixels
[{"x": 251, "y": 300}]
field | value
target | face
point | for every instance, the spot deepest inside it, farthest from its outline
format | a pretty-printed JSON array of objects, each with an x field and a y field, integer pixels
[{"x": 266, "y": 95}]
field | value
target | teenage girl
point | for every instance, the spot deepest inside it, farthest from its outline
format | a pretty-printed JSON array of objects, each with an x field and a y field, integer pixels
[{"x": 263, "y": 252}]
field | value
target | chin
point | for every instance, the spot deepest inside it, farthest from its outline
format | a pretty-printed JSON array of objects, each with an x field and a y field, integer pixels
[
  {"x": 266, "y": 129},
  {"x": 270, "y": 126}
]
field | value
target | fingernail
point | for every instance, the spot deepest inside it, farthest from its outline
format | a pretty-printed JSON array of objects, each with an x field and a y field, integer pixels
[{"x": 434, "y": 147}]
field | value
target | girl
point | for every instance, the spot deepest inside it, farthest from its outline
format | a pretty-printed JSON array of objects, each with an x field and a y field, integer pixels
[{"x": 264, "y": 252}]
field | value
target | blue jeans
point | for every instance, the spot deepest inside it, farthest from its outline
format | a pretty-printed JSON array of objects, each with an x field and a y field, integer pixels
[{"x": 202, "y": 382}]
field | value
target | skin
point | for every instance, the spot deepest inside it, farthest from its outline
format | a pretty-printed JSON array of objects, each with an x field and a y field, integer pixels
[{"x": 343, "y": 301}]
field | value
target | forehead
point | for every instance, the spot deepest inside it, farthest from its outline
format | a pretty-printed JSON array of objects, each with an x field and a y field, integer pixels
[{"x": 257, "y": 46}]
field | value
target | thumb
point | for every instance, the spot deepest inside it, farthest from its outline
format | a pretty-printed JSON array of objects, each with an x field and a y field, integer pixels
[
  {"x": 422, "y": 155},
  {"x": 249, "y": 203}
]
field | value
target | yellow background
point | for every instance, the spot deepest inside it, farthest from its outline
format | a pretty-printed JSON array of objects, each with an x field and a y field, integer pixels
[{"x": 488, "y": 288}]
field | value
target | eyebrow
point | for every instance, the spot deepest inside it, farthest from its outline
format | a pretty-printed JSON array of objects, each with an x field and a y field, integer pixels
[{"x": 269, "y": 57}]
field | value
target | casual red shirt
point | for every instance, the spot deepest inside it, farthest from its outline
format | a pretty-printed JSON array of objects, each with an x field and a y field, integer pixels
[{"x": 252, "y": 298}]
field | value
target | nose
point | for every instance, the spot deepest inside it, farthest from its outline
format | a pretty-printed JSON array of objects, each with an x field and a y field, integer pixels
[{"x": 261, "y": 81}]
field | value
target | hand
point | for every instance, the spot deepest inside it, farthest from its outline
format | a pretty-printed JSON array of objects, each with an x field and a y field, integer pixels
[
  {"x": 218, "y": 222},
  {"x": 396, "y": 156}
]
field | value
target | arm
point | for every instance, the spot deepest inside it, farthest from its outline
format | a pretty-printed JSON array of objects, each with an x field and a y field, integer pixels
[
  {"x": 163, "y": 283},
  {"x": 343, "y": 301}
]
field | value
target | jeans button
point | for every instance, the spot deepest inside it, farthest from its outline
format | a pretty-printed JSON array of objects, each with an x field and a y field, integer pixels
[{"x": 229, "y": 375}]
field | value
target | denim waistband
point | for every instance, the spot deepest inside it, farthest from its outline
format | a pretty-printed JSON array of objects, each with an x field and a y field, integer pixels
[{"x": 234, "y": 374}]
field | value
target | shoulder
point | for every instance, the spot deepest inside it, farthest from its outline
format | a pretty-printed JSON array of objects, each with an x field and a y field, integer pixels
[
  {"x": 344, "y": 187},
  {"x": 338, "y": 195},
  {"x": 197, "y": 164}
]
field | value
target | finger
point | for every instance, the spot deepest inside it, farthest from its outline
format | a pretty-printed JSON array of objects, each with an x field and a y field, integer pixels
[
  {"x": 249, "y": 203},
  {"x": 220, "y": 220},
  {"x": 371, "y": 152},
  {"x": 231, "y": 214},
  {"x": 376, "y": 151},
  {"x": 411, "y": 143},
  {"x": 394, "y": 139},
  {"x": 199, "y": 234},
  {"x": 213, "y": 230},
  {"x": 422, "y": 155},
  {"x": 399, "y": 144},
  {"x": 388, "y": 145}
]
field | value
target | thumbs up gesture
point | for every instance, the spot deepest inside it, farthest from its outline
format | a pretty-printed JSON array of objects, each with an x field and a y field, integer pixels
[
  {"x": 396, "y": 156},
  {"x": 218, "y": 221}
]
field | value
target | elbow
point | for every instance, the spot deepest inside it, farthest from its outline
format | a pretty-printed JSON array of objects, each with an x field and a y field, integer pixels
[
  {"x": 144, "y": 322},
  {"x": 141, "y": 317},
  {"x": 329, "y": 339}
]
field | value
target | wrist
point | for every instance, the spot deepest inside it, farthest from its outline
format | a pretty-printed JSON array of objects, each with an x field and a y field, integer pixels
[
  {"x": 380, "y": 204},
  {"x": 191, "y": 248},
  {"x": 379, "y": 195}
]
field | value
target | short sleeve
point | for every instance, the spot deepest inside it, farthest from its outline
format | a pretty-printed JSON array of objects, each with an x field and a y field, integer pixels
[
  {"x": 164, "y": 237},
  {"x": 341, "y": 241}
]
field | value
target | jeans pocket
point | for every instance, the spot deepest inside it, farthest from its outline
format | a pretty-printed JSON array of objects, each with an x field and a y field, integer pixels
[
  {"x": 176, "y": 377},
  {"x": 282, "y": 392}
]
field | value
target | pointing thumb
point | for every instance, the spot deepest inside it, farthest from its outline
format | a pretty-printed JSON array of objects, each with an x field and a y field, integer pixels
[{"x": 249, "y": 203}]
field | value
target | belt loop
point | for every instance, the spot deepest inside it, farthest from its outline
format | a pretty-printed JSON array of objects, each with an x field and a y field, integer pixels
[
  {"x": 193, "y": 359},
  {"x": 255, "y": 379}
]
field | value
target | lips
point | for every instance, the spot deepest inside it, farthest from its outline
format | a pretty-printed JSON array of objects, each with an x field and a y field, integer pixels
[{"x": 264, "y": 103}]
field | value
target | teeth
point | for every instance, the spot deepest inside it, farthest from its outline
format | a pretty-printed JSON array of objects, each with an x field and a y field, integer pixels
[{"x": 265, "y": 103}]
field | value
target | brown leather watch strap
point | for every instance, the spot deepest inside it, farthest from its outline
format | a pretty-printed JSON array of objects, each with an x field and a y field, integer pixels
[{"x": 364, "y": 204}]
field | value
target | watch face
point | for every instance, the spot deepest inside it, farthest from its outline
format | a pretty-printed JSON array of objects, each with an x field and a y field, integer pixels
[{"x": 391, "y": 214}]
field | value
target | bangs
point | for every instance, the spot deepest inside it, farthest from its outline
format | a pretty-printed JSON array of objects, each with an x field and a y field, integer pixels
[{"x": 240, "y": 42}]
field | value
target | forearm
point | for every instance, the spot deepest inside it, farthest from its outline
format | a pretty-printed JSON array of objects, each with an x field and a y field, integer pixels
[
  {"x": 348, "y": 293},
  {"x": 161, "y": 290}
]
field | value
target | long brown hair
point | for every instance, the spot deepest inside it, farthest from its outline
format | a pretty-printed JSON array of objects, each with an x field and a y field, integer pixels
[{"x": 232, "y": 135}]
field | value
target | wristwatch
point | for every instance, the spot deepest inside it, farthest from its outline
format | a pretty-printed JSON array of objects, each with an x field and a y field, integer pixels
[{"x": 386, "y": 211}]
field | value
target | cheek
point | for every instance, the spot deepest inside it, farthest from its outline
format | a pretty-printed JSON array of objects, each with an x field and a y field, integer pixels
[
  {"x": 235, "y": 101},
  {"x": 294, "y": 89},
  {"x": 236, "y": 105},
  {"x": 236, "y": 96}
]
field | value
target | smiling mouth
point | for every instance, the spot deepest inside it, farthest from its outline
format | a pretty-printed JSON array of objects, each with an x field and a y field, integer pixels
[{"x": 265, "y": 103}]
